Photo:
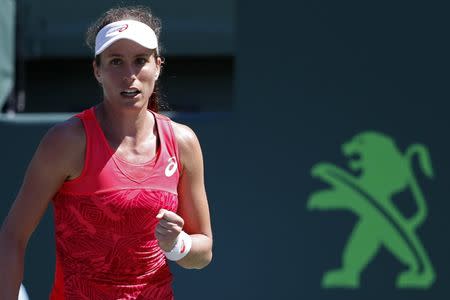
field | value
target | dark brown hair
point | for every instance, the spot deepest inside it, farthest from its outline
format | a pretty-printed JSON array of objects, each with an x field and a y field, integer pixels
[{"x": 139, "y": 13}]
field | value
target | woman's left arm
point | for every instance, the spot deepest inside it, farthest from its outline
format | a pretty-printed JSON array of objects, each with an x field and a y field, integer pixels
[{"x": 192, "y": 201}]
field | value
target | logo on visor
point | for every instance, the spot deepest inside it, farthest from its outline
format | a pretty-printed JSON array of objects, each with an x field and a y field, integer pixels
[{"x": 122, "y": 28}]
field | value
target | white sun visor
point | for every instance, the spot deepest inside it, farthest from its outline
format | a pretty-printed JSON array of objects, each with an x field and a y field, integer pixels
[{"x": 125, "y": 29}]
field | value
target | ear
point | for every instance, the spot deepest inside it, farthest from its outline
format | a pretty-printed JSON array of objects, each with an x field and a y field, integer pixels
[
  {"x": 97, "y": 72},
  {"x": 158, "y": 67}
]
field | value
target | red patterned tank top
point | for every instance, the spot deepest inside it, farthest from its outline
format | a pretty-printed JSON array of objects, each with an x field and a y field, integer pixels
[{"x": 105, "y": 221}]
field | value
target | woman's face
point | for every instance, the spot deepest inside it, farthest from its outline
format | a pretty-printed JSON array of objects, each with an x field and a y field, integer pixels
[{"x": 127, "y": 73}]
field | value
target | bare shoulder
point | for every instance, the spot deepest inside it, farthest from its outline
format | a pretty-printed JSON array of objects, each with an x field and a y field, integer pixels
[
  {"x": 66, "y": 135},
  {"x": 184, "y": 135},
  {"x": 64, "y": 145},
  {"x": 188, "y": 145}
]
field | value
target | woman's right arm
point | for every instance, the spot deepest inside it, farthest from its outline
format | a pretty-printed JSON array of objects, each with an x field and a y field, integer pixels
[{"x": 55, "y": 160}]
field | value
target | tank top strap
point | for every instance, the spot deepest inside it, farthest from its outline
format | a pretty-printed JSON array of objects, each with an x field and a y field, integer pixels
[
  {"x": 97, "y": 151},
  {"x": 96, "y": 155},
  {"x": 167, "y": 138}
]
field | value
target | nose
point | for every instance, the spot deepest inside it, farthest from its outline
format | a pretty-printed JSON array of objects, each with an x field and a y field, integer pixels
[{"x": 129, "y": 74}]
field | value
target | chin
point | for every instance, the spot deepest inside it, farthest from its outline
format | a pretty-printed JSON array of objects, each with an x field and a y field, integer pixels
[
  {"x": 135, "y": 103},
  {"x": 136, "y": 106}
]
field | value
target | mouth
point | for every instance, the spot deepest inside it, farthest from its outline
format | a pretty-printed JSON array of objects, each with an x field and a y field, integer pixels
[{"x": 130, "y": 93}]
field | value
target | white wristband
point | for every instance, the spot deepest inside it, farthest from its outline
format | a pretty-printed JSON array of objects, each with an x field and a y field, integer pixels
[{"x": 182, "y": 247}]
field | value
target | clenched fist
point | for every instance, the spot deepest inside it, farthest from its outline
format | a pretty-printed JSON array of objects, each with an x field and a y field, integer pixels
[{"x": 169, "y": 227}]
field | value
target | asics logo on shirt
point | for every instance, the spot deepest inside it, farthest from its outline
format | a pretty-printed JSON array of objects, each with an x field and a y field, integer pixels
[{"x": 171, "y": 167}]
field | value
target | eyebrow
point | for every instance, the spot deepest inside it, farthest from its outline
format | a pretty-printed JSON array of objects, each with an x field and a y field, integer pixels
[{"x": 137, "y": 55}]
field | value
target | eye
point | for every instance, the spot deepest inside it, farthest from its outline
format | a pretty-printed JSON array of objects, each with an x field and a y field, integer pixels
[
  {"x": 116, "y": 61},
  {"x": 141, "y": 61}
]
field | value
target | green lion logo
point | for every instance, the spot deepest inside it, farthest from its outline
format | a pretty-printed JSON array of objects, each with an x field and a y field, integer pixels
[{"x": 383, "y": 172}]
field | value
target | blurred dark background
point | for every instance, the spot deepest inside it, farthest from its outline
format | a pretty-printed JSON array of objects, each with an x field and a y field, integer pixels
[{"x": 54, "y": 63}]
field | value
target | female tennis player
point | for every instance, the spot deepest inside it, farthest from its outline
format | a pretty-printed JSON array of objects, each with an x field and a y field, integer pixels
[{"x": 126, "y": 183}]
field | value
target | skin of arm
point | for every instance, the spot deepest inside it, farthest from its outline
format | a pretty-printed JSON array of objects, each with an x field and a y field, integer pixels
[
  {"x": 56, "y": 159},
  {"x": 193, "y": 211}
]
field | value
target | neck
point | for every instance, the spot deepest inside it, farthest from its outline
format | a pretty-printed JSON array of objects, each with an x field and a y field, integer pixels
[{"x": 134, "y": 125}]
